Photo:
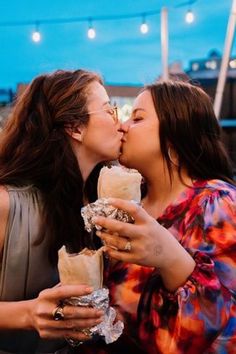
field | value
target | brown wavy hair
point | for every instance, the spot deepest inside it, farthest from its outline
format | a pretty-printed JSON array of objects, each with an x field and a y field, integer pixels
[
  {"x": 35, "y": 149},
  {"x": 187, "y": 123}
]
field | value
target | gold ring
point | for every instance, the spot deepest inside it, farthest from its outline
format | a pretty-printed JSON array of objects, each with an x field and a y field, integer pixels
[
  {"x": 58, "y": 313},
  {"x": 87, "y": 332},
  {"x": 128, "y": 246}
]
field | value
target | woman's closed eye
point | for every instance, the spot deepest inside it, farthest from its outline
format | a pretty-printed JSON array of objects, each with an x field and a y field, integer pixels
[{"x": 137, "y": 119}]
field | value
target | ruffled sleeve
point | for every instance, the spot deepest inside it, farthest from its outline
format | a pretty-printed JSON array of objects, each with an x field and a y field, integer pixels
[{"x": 201, "y": 314}]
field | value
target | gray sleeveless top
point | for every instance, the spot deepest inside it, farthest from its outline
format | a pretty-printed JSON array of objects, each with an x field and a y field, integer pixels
[{"x": 25, "y": 269}]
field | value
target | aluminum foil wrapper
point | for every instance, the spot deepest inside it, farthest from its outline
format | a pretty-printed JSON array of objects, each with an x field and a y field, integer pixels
[
  {"x": 101, "y": 207},
  {"x": 99, "y": 299}
]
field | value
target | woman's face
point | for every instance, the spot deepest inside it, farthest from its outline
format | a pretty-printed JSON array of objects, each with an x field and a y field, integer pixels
[
  {"x": 140, "y": 143},
  {"x": 101, "y": 137}
]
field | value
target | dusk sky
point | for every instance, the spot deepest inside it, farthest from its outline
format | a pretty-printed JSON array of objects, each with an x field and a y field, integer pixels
[{"x": 119, "y": 52}]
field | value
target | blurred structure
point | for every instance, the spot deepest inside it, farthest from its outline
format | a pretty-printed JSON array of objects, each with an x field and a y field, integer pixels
[
  {"x": 6, "y": 96},
  {"x": 123, "y": 96},
  {"x": 205, "y": 72}
]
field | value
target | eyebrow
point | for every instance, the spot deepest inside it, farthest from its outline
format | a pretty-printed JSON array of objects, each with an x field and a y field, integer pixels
[{"x": 138, "y": 109}]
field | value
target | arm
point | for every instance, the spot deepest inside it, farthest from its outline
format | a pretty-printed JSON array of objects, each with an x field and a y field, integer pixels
[
  {"x": 4, "y": 211},
  {"x": 36, "y": 314},
  {"x": 189, "y": 319},
  {"x": 152, "y": 245}
]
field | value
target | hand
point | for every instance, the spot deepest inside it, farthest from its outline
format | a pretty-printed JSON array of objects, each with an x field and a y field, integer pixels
[
  {"x": 146, "y": 236},
  {"x": 76, "y": 319},
  {"x": 146, "y": 243}
]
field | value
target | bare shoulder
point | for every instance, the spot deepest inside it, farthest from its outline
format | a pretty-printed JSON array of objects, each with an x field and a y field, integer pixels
[{"x": 4, "y": 211}]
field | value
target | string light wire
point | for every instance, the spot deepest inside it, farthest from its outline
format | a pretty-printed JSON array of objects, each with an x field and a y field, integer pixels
[
  {"x": 91, "y": 33},
  {"x": 93, "y": 19}
]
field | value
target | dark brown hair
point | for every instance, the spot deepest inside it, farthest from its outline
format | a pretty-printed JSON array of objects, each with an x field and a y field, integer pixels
[
  {"x": 35, "y": 149},
  {"x": 187, "y": 124}
]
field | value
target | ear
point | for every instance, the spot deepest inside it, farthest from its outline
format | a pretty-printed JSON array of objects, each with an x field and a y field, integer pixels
[{"x": 75, "y": 132}]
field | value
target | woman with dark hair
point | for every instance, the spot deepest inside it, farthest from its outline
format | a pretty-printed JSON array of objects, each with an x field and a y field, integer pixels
[
  {"x": 61, "y": 130},
  {"x": 175, "y": 284}
]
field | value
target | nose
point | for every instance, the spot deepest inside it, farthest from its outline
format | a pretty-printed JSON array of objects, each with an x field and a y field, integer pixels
[{"x": 124, "y": 127}]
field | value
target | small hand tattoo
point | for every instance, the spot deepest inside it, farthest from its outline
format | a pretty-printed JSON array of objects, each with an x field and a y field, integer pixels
[{"x": 157, "y": 250}]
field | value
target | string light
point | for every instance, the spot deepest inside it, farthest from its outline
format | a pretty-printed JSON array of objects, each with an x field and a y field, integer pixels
[
  {"x": 144, "y": 27},
  {"x": 36, "y": 35},
  {"x": 91, "y": 31},
  {"x": 189, "y": 16}
]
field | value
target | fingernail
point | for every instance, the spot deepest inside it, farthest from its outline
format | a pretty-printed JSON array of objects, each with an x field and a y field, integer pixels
[
  {"x": 113, "y": 247},
  {"x": 98, "y": 233},
  {"x": 99, "y": 320},
  {"x": 89, "y": 289},
  {"x": 100, "y": 312}
]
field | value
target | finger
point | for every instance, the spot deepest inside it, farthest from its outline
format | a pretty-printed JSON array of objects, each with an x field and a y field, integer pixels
[
  {"x": 82, "y": 312},
  {"x": 77, "y": 335},
  {"x": 115, "y": 226},
  {"x": 75, "y": 324},
  {"x": 63, "y": 292},
  {"x": 63, "y": 333},
  {"x": 131, "y": 207},
  {"x": 120, "y": 256},
  {"x": 113, "y": 241}
]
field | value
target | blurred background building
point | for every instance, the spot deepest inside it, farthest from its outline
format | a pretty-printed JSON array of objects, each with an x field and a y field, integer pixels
[{"x": 201, "y": 71}]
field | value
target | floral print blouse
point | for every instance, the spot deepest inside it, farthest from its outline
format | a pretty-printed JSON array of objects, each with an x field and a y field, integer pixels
[{"x": 200, "y": 317}]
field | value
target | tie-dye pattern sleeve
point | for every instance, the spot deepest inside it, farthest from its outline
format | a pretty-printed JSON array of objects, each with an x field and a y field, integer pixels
[{"x": 201, "y": 316}]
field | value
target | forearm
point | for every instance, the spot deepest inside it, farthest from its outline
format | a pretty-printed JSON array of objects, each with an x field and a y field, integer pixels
[
  {"x": 16, "y": 315},
  {"x": 178, "y": 272},
  {"x": 177, "y": 264}
]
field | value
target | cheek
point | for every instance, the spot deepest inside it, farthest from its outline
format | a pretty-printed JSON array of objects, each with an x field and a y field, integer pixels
[
  {"x": 103, "y": 135},
  {"x": 142, "y": 143}
]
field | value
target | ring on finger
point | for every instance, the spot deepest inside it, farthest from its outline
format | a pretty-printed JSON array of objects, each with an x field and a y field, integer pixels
[
  {"x": 128, "y": 246},
  {"x": 58, "y": 314},
  {"x": 86, "y": 331}
]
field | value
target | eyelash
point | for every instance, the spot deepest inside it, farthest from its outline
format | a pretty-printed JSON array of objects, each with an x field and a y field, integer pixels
[{"x": 137, "y": 119}]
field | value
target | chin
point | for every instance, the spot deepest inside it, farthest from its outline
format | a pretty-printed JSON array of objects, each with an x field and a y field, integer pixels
[
  {"x": 114, "y": 156},
  {"x": 123, "y": 161}
]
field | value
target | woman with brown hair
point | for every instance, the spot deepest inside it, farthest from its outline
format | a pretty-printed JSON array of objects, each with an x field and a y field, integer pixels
[
  {"x": 175, "y": 284},
  {"x": 60, "y": 132}
]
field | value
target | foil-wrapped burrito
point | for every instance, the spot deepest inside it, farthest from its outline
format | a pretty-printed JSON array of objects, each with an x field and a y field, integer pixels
[
  {"x": 86, "y": 267},
  {"x": 113, "y": 182}
]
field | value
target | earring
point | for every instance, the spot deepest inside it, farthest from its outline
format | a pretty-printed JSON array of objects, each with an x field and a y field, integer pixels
[{"x": 170, "y": 157}]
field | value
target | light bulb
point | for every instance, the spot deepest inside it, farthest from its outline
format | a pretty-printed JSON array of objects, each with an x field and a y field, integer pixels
[
  {"x": 144, "y": 28},
  {"x": 189, "y": 17},
  {"x": 91, "y": 33},
  {"x": 36, "y": 36}
]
